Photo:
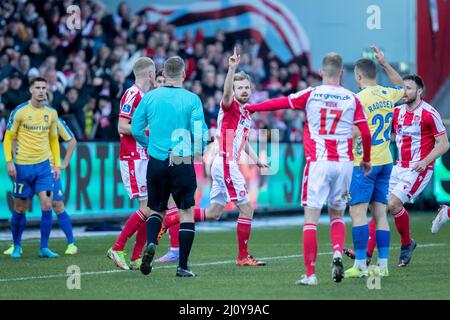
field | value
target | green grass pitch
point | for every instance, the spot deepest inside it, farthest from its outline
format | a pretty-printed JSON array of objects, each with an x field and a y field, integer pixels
[{"x": 213, "y": 258}]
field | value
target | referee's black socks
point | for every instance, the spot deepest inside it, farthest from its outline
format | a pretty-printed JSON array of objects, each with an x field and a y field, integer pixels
[
  {"x": 186, "y": 235},
  {"x": 154, "y": 223}
]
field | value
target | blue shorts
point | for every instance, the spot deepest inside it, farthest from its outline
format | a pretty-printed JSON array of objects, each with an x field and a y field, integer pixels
[
  {"x": 371, "y": 188},
  {"x": 32, "y": 179},
  {"x": 58, "y": 193}
]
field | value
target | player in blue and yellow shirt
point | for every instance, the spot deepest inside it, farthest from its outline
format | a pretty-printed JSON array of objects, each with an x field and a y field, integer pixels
[
  {"x": 33, "y": 125},
  {"x": 378, "y": 103},
  {"x": 58, "y": 194}
]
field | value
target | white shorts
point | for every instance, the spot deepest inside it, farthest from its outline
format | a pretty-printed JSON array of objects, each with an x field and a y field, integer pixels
[
  {"x": 326, "y": 181},
  {"x": 228, "y": 183},
  {"x": 134, "y": 177},
  {"x": 406, "y": 184}
]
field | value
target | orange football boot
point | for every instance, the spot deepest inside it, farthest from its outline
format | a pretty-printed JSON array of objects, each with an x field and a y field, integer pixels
[{"x": 249, "y": 261}]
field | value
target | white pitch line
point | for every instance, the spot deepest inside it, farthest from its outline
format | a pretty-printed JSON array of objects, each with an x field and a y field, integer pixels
[{"x": 65, "y": 275}]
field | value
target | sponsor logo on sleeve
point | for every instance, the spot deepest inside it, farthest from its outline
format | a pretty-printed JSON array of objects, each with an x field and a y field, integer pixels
[{"x": 126, "y": 109}]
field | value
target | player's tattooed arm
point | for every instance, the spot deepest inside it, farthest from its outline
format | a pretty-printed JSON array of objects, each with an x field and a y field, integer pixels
[
  {"x": 233, "y": 62},
  {"x": 355, "y": 135}
]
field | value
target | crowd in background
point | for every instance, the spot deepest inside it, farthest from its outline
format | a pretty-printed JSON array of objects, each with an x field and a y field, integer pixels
[{"x": 88, "y": 70}]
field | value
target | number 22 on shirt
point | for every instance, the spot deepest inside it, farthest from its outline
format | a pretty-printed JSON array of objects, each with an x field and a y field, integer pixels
[{"x": 383, "y": 129}]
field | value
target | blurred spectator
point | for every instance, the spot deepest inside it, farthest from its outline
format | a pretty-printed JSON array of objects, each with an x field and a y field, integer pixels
[
  {"x": 89, "y": 69},
  {"x": 211, "y": 110},
  {"x": 24, "y": 66},
  {"x": 103, "y": 118},
  {"x": 71, "y": 110},
  {"x": 89, "y": 112},
  {"x": 159, "y": 79},
  {"x": 16, "y": 94}
]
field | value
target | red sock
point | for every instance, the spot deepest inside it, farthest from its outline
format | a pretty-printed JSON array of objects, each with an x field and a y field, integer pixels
[
  {"x": 337, "y": 234},
  {"x": 172, "y": 217},
  {"x": 131, "y": 226},
  {"x": 402, "y": 223},
  {"x": 310, "y": 248},
  {"x": 141, "y": 240},
  {"x": 372, "y": 237},
  {"x": 244, "y": 226},
  {"x": 173, "y": 235},
  {"x": 448, "y": 212},
  {"x": 199, "y": 214}
]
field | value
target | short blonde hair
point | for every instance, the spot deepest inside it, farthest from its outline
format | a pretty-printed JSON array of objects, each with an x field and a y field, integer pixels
[
  {"x": 141, "y": 67},
  {"x": 332, "y": 64},
  {"x": 241, "y": 75}
]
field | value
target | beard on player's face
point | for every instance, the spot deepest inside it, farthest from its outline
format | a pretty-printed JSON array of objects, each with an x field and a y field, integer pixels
[
  {"x": 243, "y": 99},
  {"x": 410, "y": 98},
  {"x": 242, "y": 96}
]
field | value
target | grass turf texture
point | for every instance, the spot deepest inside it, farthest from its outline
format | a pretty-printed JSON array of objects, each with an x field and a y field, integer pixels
[{"x": 213, "y": 258}]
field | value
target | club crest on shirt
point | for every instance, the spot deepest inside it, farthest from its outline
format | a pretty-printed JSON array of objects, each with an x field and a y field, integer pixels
[
  {"x": 46, "y": 117},
  {"x": 126, "y": 109}
]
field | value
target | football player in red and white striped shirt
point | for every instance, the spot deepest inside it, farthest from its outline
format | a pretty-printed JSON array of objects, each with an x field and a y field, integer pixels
[
  {"x": 234, "y": 122},
  {"x": 331, "y": 112},
  {"x": 421, "y": 138},
  {"x": 133, "y": 166}
]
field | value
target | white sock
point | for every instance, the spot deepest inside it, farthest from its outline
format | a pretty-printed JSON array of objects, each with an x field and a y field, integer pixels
[
  {"x": 360, "y": 264},
  {"x": 445, "y": 217},
  {"x": 174, "y": 249},
  {"x": 382, "y": 263}
]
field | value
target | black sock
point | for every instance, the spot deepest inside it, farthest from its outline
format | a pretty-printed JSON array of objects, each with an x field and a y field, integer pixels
[
  {"x": 186, "y": 235},
  {"x": 153, "y": 226}
]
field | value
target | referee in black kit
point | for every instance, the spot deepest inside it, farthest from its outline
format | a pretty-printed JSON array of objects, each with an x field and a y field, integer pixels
[{"x": 178, "y": 131}]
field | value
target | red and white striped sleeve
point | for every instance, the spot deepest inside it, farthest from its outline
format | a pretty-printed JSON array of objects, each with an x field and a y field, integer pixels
[
  {"x": 434, "y": 121},
  {"x": 129, "y": 103},
  {"x": 300, "y": 99},
  {"x": 360, "y": 115},
  {"x": 293, "y": 101}
]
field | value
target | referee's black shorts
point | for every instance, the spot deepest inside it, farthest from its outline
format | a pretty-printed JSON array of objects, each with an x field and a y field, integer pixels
[{"x": 176, "y": 179}]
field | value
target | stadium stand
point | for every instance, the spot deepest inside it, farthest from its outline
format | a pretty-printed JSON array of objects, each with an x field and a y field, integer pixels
[{"x": 88, "y": 70}]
